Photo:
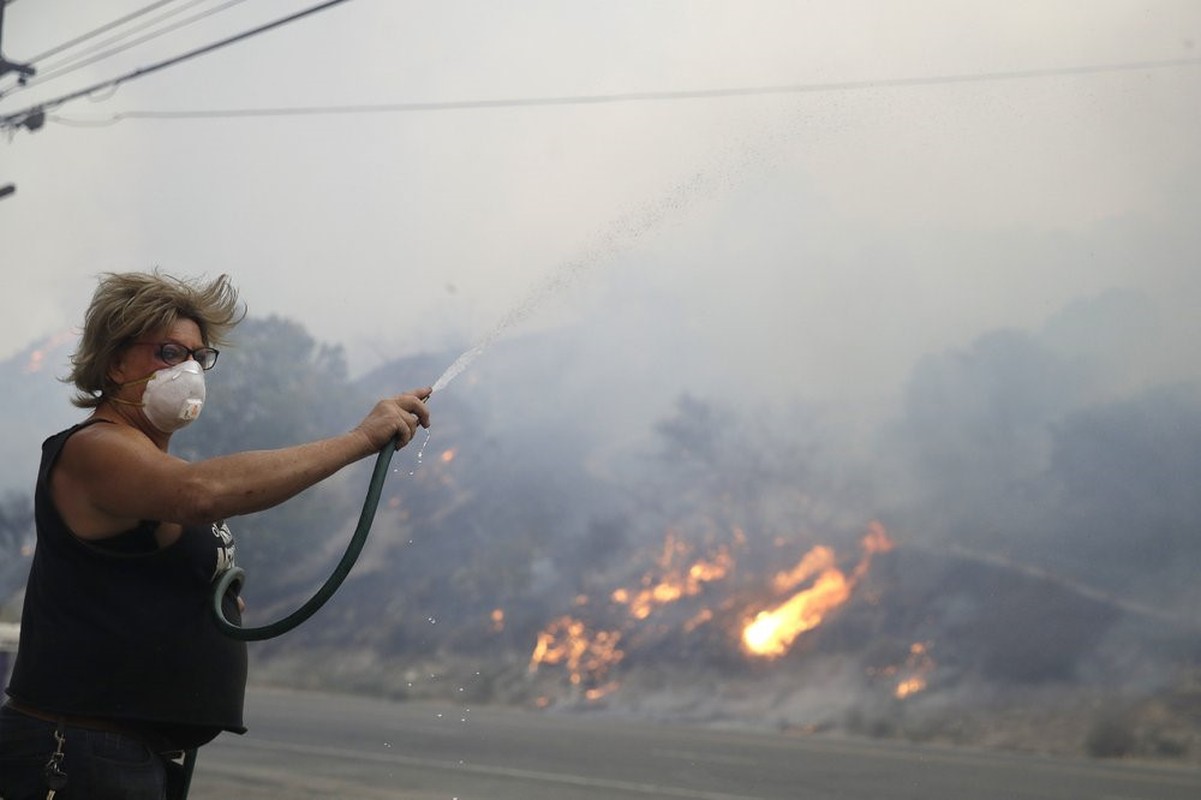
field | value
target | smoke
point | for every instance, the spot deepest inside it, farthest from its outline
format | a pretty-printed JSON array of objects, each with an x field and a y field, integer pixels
[
  {"x": 1060, "y": 447},
  {"x": 36, "y": 404},
  {"x": 1038, "y": 484}
]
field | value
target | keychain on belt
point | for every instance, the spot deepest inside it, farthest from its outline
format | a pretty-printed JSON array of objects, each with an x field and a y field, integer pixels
[{"x": 56, "y": 777}]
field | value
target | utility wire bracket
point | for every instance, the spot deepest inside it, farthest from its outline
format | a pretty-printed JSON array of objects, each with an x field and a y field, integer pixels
[{"x": 24, "y": 71}]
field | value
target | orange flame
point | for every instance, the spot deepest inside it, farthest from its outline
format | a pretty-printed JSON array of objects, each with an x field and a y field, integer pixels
[
  {"x": 772, "y": 632},
  {"x": 498, "y": 619},
  {"x": 584, "y": 654},
  {"x": 37, "y": 358},
  {"x": 817, "y": 585},
  {"x": 919, "y": 664},
  {"x": 819, "y": 559},
  {"x": 448, "y": 456},
  {"x": 673, "y": 582},
  {"x": 588, "y": 656}
]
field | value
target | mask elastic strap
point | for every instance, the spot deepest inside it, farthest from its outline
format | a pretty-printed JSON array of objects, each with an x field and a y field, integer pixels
[
  {"x": 139, "y": 380},
  {"x": 113, "y": 398}
]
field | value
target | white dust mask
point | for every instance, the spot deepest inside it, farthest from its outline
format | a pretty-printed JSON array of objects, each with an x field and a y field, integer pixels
[{"x": 174, "y": 396}]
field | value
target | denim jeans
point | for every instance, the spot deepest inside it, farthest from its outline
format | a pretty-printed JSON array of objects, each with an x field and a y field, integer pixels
[{"x": 100, "y": 765}]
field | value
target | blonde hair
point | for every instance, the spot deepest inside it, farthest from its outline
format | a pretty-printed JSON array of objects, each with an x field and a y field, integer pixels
[{"x": 127, "y": 306}]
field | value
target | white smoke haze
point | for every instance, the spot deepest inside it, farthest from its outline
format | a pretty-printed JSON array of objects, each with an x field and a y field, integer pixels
[{"x": 936, "y": 211}]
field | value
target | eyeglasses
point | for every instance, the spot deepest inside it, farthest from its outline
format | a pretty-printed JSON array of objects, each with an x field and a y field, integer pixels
[{"x": 171, "y": 353}]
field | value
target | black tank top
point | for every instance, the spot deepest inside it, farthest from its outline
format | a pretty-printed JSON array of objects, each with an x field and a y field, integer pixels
[{"x": 122, "y": 629}]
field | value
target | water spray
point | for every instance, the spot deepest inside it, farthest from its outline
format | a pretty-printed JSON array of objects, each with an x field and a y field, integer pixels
[
  {"x": 234, "y": 578},
  {"x": 619, "y": 236}
]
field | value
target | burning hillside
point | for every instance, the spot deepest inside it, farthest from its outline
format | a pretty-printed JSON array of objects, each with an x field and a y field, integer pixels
[
  {"x": 732, "y": 576},
  {"x": 883, "y": 639},
  {"x": 705, "y": 596}
]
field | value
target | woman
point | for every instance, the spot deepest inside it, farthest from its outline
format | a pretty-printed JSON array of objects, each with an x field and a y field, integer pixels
[{"x": 120, "y": 667}]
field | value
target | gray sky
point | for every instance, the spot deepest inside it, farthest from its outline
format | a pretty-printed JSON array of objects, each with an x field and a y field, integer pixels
[{"x": 812, "y": 244}]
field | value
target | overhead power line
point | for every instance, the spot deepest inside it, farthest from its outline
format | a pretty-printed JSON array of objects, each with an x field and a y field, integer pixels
[
  {"x": 633, "y": 97},
  {"x": 102, "y": 29},
  {"x": 90, "y": 56},
  {"x": 35, "y": 114}
]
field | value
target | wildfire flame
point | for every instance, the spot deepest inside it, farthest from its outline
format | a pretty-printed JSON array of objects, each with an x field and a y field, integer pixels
[
  {"x": 813, "y": 588},
  {"x": 772, "y": 632},
  {"x": 669, "y": 582},
  {"x": 37, "y": 358},
  {"x": 819, "y": 559},
  {"x": 587, "y": 656},
  {"x": 918, "y": 665}
]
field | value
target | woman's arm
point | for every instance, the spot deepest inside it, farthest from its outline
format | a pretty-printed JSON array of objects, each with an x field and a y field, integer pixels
[{"x": 109, "y": 477}]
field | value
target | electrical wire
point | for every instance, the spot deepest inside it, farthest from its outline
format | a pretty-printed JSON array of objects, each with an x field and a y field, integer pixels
[
  {"x": 24, "y": 81},
  {"x": 102, "y": 29},
  {"x": 80, "y": 60},
  {"x": 37, "y": 111},
  {"x": 631, "y": 97}
]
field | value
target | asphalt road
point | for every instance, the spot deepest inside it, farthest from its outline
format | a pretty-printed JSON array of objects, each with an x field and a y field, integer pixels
[{"x": 308, "y": 746}]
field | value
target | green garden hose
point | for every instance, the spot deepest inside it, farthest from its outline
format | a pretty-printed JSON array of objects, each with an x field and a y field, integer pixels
[{"x": 235, "y": 575}]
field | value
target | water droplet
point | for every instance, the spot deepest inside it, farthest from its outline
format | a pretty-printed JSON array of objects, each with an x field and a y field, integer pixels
[{"x": 421, "y": 451}]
